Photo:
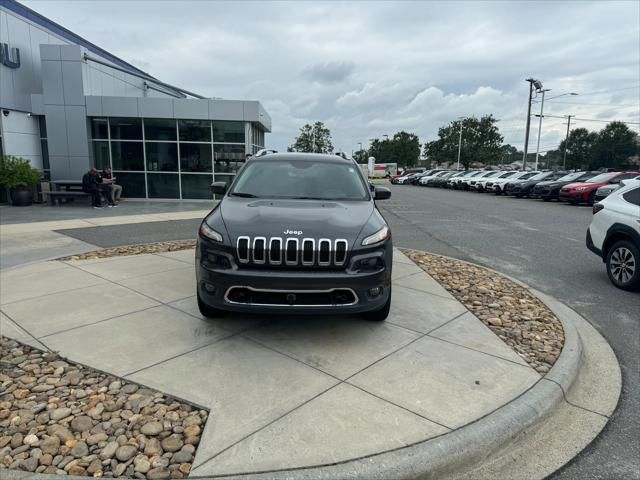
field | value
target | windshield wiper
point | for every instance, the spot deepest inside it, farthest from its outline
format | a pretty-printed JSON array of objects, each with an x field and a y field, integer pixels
[{"x": 244, "y": 195}]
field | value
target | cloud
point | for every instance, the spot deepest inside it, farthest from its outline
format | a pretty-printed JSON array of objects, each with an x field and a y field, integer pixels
[
  {"x": 373, "y": 68},
  {"x": 329, "y": 72}
]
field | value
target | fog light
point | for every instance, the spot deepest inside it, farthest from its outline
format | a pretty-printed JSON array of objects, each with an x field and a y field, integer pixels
[
  {"x": 210, "y": 289},
  {"x": 374, "y": 292}
]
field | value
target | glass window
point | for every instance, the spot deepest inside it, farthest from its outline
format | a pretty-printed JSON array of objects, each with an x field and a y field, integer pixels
[
  {"x": 229, "y": 158},
  {"x": 125, "y": 128},
  {"x": 195, "y": 157},
  {"x": 224, "y": 177},
  {"x": 45, "y": 154},
  {"x": 196, "y": 186},
  {"x": 228, "y": 132},
  {"x": 162, "y": 157},
  {"x": 132, "y": 184},
  {"x": 127, "y": 156},
  {"x": 99, "y": 128},
  {"x": 101, "y": 155},
  {"x": 195, "y": 130},
  {"x": 159, "y": 129},
  {"x": 43, "y": 126},
  {"x": 301, "y": 179},
  {"x": 163, "y": 185},
  {"x": 632, "y": 196}
]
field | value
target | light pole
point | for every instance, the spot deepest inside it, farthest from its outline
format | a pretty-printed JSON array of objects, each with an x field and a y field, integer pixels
[
  {"x": 541, "y": 116},
  {"x": 538, "y": 85},
  {"x": 540, "y": 126},
  {"x": 566, "y": 141},
  {"x": 459, "y": 144},
  {"x": 360, "y": 143}
]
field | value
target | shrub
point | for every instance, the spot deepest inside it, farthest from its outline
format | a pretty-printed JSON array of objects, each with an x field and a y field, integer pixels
[{"x": 17, "y": 172}]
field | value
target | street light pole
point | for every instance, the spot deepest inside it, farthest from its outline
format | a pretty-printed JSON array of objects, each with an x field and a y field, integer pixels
[
  {"x": 538, "y": 85},
  {"x": 540, "y": 126},
  {"x": 459, "y": 145},
  {"x": 566, "y": 141}
]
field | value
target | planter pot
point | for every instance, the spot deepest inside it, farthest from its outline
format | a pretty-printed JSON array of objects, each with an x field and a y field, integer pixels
[{"x": 21, "y": 197}]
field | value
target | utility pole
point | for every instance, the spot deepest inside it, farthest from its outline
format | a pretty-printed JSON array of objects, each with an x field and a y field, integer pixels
[
  {"x": 540, "y": 127},
  {"x": 538, "y": 85},
  {"x": 459, "y": 144},
  {"x": 566, "y": 141}
]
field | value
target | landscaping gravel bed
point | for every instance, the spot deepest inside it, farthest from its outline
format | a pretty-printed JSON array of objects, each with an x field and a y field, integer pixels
[
  {"x": 158, "y": 247},
  {"x": 509, "y": 310},
  {"x": 59, "y": 417}
]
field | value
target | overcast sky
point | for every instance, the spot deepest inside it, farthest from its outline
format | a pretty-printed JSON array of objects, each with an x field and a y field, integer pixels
[{"x": 373, "y": 68}]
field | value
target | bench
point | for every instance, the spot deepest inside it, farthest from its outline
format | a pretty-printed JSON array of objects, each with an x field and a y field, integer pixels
[{"x": 55, "y": 198}]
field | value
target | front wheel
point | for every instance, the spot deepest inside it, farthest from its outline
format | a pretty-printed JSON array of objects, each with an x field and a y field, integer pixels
[
  {"x": 623, "y": 265},
  {"x": 381, "y": 314}
]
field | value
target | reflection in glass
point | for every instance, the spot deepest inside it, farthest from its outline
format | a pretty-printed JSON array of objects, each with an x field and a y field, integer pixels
[
  {"x": 196, "y": 186},
  {"x": 195, "y": 157},
  {"x": 132, "y": 184},
  {"x": 195, "y": 130},
  {"x": 163, "y": 185},
  {"x": 127, "y": 156},
  {"x": 229, "y": 158},
  {"x": 125, "y": 128},
  {"x": 228, "y": 131},
  {"x": 162, "y": 157},
  {"x": 99, "y": 128},
  {"x": 159, "y": 129},
  {"x": 101, "y": 155}
]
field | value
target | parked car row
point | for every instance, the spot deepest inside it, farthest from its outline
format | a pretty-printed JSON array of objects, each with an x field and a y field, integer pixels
[{"x": 573, "y": 187}]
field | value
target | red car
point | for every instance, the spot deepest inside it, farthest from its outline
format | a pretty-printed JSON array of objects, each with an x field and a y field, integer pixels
[{"x": 585, "y": 192}]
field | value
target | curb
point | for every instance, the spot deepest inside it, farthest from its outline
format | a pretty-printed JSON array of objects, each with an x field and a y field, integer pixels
[{"x": 481, "y": 449}]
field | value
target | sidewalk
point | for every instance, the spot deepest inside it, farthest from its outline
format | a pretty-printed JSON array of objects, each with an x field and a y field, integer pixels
[
  {"x": 291, "y": 392},
  {"x": 28, "y": 234}
]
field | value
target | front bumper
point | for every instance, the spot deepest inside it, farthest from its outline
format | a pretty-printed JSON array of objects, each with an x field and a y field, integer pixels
[
  {"x": 214, "y": 286},
  {"x": 574, "y": 196}
]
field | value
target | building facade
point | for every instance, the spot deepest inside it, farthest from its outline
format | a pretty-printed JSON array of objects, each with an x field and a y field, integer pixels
[{"x": 67, "y": 105}]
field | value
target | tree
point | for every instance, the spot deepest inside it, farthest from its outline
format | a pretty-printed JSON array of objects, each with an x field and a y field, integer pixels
[
  {"x": 615, "y": 144},
  {"x": 580, "y": 149},
  {"x": 314, "y": 138},
  {"x": 405, "y": 149},
  {"x": 361, "y": 156},
  {"x": 509, "y": 154},
  {"x": 481, "y": 141}
]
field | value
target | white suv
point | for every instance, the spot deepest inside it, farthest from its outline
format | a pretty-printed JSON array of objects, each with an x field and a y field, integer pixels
[{"x": 614, "y": 234}]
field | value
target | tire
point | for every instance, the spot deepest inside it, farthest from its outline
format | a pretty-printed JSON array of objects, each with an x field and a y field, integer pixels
[
  {"x": 623, "y": 265},
  {"x": 208, "y": 311},
  {"x": 592, "y": 198},
  {"x": 381, "y": 314}
]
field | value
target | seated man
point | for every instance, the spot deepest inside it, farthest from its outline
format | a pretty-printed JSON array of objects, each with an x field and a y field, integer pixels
[
  {"x": 116, "y": 190},
  {"x": 90, "y": 186}
]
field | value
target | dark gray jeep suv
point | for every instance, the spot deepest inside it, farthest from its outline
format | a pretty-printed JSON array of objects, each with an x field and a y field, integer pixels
[{"x": 296, "y": 233}]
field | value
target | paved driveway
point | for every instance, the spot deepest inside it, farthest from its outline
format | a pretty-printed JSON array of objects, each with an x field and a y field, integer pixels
[{"x": 283, "y": 392}]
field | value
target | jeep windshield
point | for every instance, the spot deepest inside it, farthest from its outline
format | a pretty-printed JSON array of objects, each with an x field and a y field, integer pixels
[{"x": 300, "y": 179}]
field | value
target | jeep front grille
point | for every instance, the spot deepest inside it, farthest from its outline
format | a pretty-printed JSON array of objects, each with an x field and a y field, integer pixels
[{"x": 304, "y": 252}]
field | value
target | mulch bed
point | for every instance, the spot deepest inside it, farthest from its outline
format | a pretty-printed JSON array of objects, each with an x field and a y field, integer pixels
[
  {"x": 158, "y": 247},
  {"x": 521, "y": 320}
]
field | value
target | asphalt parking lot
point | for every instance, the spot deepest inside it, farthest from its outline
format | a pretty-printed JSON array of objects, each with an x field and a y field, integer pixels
[
  {"x": 542, "y": 244},
  {"x": 539, "y": 243}
]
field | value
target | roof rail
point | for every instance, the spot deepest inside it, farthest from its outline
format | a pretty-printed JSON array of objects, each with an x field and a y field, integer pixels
[
  {"x": 343, "y": 155},
  {"x": 264, "y": 151}
]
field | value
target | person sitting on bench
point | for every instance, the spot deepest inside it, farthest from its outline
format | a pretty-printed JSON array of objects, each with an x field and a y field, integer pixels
[
  {"x": 116, "y": 190},
  {"x": 90, "y": 185}
]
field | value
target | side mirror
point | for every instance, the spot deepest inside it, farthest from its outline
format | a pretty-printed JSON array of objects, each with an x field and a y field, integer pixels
[
  {"x": 372, "y": 187},
  {"x": 381, "y": 193},
  {"x": 218, "y": 188}
]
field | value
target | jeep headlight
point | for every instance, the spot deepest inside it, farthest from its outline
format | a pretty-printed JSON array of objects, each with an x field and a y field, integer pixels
[
  {"x": 207, "y": 232},
  {"x": 380, "y": 236}
]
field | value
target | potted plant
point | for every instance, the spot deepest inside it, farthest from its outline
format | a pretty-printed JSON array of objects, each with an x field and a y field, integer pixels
[{"x": 18, "y": 176}]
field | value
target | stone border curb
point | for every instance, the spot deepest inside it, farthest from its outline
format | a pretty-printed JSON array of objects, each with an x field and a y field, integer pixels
[{"x": 458, "y": 452}]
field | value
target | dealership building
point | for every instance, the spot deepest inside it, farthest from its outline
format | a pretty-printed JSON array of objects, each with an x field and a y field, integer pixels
[{"x": 67, "y": 105}]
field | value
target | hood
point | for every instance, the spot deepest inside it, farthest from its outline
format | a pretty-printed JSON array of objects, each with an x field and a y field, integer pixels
[
  {"x": 584, "y": 184},
  {"x": 315, "y": 218}
]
